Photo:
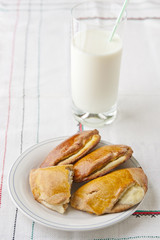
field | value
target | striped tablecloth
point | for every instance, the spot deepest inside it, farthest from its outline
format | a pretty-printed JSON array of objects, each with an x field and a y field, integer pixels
[{"x": 35, "y": 105}]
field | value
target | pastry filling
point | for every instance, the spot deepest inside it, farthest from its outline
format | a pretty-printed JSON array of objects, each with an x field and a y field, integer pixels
[
  {"x": 57, "y": 207},
  {"x": 87, "y": 146},
  {"x": 70, "y": 176},
  {"x": 114, "y": 163},
  {"x": 110, "y": 165},
  {"x": 132, "y": 196}
]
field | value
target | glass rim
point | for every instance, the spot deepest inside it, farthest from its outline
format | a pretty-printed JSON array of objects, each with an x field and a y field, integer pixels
[{"x": 124, "y": 17}]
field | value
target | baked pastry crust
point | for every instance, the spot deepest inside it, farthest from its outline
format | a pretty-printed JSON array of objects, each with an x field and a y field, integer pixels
[
  {"x": 51, "y": 186},
  {"x": 101, "y": 161},
  {"x": 114, "y": 192},
  {"x": 72, "y": 149}
]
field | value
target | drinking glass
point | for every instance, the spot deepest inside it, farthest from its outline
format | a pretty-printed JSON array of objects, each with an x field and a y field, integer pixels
[{"x": 95, "y": 61}]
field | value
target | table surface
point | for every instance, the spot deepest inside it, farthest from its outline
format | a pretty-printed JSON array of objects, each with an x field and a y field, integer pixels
[{"x": 35, "y": 104}]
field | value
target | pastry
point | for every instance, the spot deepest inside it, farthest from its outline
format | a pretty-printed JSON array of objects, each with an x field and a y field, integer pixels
[
  {"x": 114, "y": 192},
  {"x": 100, "y": 162},
  {"x": 72, "y": 149},
  {"x": 51, "y": 186}
]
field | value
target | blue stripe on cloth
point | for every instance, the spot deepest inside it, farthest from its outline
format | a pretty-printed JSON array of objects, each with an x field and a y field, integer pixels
[{"x": 15, "y": 223}]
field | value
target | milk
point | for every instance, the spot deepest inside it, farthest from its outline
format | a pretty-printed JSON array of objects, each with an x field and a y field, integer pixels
[{"x": 95, "y": 68}]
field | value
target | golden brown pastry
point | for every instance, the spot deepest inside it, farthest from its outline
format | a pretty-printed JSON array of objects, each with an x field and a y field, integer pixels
[
  {"x": 100, "y": 161},
  {"x": 72, "y": 149},
  {"x": 114, "y": 192},
  {"x": 51, "y": 186}
]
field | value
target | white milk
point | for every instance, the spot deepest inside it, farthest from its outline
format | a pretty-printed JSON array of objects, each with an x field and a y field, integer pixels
[{"x": 95, "y": 68}]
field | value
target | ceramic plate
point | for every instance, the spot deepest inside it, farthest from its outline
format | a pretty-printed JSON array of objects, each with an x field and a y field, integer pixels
[{"x": 72, "y": 220}]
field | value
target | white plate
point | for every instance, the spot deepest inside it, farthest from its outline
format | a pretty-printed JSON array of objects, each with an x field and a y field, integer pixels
[{"x": 72, "y": 220}]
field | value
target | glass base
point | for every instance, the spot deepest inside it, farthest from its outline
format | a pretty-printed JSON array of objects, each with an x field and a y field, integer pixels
[{"x": 95, "y": 119}]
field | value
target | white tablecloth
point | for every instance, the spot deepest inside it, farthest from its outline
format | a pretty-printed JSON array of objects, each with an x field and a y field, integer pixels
[{"x": 35, "y": 105}]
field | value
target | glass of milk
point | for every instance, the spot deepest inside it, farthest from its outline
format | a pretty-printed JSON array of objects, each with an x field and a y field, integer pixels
[{"x": 95, "y": 61}]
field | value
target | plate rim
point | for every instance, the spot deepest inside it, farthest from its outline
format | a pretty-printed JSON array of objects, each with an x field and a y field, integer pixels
[{"x": 45, "y": 222}]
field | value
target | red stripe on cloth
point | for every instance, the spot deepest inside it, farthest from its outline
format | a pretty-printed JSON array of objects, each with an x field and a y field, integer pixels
[
  {"x": 146, "y": 213},
  {"x": 9, "y": 96},
  {"x": 80, "y": 127}
]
